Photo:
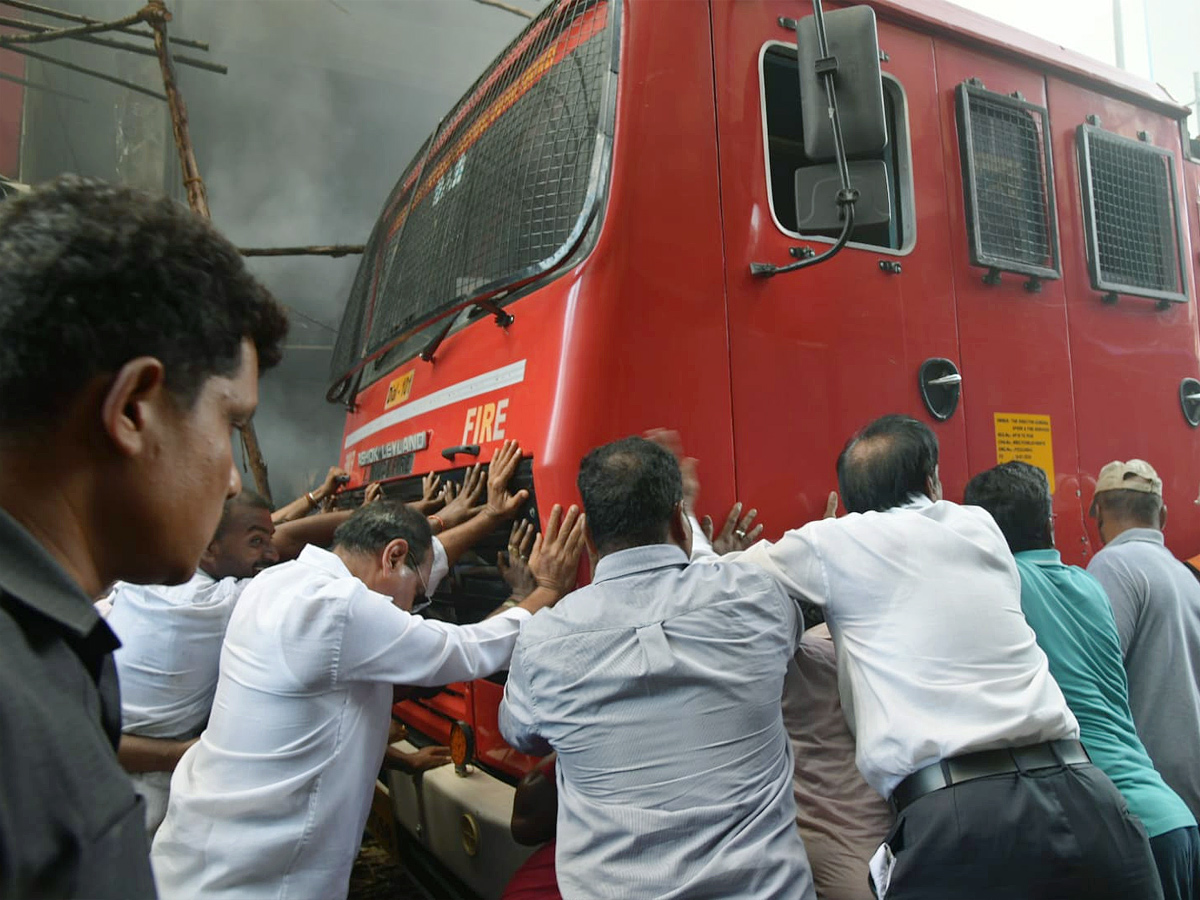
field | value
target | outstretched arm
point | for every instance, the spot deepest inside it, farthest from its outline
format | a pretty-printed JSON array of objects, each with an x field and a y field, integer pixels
[
  {"x": 502, "y": 505},
  {"x": 292, "y": 537},
  {"x": 305, "y": 503},
  {"x": 144, "y": 754}
]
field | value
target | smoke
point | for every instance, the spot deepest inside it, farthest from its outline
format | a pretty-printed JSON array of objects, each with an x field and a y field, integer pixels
[{"x": 324, "y": 105}]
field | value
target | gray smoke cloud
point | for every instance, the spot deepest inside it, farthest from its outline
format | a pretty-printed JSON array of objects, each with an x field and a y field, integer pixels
[{"x": 325, "y": 103}]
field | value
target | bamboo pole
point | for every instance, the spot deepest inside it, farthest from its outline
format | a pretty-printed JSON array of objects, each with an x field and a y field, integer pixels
[
  {"x": 507, "y": 7},
  {"x": 155, "y": 13},
  {"x": 73, "y": 17},
  {"x": 120, "y": 82},
  {"x": 334, "y": 250},
  {"x": 40, "y": 87},
  {"x": 120, "y": 45},
  {"x": 55, "y": 33}
]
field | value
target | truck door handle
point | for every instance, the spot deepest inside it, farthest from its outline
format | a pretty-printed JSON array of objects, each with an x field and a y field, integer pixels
[
  {"x": 946, "y": 379},
  {"x": 1189, "y": 399},
  {"x": 941, "y": 386},
  {"x": 467, "y": 449}
]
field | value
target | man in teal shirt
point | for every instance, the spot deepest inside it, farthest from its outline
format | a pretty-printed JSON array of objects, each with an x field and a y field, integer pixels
[{"x": 1071, "y": 616}]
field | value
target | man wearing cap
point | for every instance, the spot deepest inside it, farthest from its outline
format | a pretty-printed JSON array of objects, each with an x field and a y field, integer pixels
[{"x": 1156, "y": 604}]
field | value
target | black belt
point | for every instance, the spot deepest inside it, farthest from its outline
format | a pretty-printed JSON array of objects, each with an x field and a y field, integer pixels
[{"x": 970, "y": 766}]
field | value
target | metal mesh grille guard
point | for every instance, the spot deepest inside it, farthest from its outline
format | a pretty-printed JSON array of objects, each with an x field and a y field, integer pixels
[
  {"x": 1008, "y": 183},
  {"x": 499, "y": 193},
  {"x": 1132, "y": 216}
]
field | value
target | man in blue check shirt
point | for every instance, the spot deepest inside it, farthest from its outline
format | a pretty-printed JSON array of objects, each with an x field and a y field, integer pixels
[{"x": 659, "y": 686}]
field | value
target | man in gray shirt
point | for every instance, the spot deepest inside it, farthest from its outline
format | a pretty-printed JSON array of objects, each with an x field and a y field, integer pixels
[
  {"x": 659, "y": 686},
  {"x": 1156, "y": 603}
]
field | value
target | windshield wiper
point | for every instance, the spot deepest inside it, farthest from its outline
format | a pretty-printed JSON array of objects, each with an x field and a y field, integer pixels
[{"x": 502, "y": 319}]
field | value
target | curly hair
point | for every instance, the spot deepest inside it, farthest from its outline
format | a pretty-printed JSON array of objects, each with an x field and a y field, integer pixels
[
  {"x": 93, "y": 275},
  {"x": 1018, "y": 497}
]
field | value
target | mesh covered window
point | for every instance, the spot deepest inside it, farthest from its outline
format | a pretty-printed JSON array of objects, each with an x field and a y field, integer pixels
[
  {"x": 1008, "y": 183},
  {"x": 501, "y": 192},
  {"x": 1131, "y": 216}
]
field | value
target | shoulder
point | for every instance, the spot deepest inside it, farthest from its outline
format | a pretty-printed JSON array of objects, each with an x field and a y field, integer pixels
[
  {"x": 580, "y": 610},
  {"x": 1112, "y": 560}
]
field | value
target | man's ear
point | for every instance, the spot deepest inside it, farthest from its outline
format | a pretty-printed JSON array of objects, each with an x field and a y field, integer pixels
[
  {"x": 1162, "y": 517},
  {"x": 134, "y": 404},
  {"x": 681, "y": 529},
  {"x": 933, "y": 485},
  {"x": 589, "y": 543},
  {"x": 394, "y": 554},
  {"x": 209, "y": 556}
]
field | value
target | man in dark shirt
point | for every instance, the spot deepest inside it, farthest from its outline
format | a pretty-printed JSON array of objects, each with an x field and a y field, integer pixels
[{"x": 131, "y": 338}]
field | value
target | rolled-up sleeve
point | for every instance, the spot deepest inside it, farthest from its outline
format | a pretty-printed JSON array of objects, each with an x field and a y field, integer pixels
[
  {"x": 381, "y": 642},
  {"x": 518, "y": 715},
  {"x": 440, "y": 568}
]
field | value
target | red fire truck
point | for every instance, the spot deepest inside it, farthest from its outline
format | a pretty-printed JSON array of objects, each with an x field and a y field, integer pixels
[{"x": 593, "y": 242}]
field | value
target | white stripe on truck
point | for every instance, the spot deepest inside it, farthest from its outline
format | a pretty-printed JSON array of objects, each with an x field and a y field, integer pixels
[{"x": 464, "y": 390}]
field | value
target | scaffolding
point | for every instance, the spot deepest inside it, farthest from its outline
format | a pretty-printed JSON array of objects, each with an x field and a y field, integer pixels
[{"x": 155, "y": 15}]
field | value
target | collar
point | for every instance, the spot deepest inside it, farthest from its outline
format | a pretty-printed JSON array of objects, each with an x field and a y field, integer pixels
[
  {"x": 1149, "y": 535},
  {"x": 915, "y": 502},
  {"x": 638, "y": 559},
  {"x": 202, "y": 578},
  {"x": 35, "y": 579},
  {"x": 1049, "y": 557},
  {"x": 326, "y": 561}
]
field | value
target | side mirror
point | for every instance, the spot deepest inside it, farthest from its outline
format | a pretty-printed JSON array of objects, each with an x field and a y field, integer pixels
[
  {"x": 817, "y": 187},
  {"x": 852, "y": 40}
]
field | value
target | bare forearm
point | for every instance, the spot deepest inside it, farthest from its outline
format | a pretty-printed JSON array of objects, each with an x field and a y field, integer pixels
[
  {"x": 142, "y": 754},
  {"x": 292, "y": 537},
  {"x": 297, "y": 509},
  {"x": 458, "y": 540}
]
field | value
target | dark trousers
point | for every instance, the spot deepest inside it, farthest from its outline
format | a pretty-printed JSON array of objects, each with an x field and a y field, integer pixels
[
  {"x": 1059, "y": 833},
  {"x": 1177, "y": 855}
]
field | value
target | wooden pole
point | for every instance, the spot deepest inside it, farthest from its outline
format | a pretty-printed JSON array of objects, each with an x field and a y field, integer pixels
[
  {"x": 119, "y": 45},
  {"x": 334, "y": 250},
  {"x": 73, "y": 17},
  {"x": 156, "y": 15},
  {"x": 78, "y": 31},
  {"x": 507, "y": 7},
  {"x": 119, "y": 82}
]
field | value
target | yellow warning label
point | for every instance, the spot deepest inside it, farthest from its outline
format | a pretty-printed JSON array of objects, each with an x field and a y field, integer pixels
[{"x": 1026, "y": 438}]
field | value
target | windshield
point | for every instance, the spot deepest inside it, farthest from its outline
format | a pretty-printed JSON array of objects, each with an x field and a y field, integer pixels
[{"x": 500, "y": 193}]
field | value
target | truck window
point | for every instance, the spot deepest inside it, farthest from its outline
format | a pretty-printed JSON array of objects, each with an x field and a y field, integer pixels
[
  {"x": 1131, "y": 216},
  {"x": 500, "y": 193},
  {"x": 1008, "y": 184},
  {"x": 783, "y": 134}
]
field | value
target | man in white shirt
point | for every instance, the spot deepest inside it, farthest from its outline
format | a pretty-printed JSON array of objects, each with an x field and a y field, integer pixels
[
  {"x": 272, "y": 800},
  {"x": 658, "y": 685},
  {"x": 171, "y": 635},
  {"x": 957, "y": 718},
  {"x": 171, "y": 640}
]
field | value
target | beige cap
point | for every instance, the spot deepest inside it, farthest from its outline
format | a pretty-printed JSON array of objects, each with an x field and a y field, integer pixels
[{"x": 1135, "y": 475}]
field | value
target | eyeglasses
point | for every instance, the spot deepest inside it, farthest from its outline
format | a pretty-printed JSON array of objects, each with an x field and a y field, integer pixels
[{"x": 421, "y": 601}]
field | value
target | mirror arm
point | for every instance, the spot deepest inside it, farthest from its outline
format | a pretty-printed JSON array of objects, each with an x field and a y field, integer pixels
[
  {"x": 827, "y": 67},
  {"x": 768, "y": 269}
]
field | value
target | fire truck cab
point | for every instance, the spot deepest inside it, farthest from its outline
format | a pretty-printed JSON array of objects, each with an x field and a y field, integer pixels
[{"x": 568, "y": 260}]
